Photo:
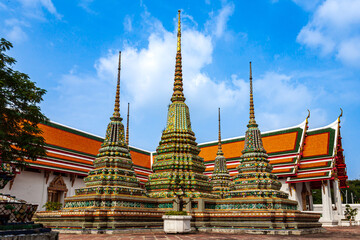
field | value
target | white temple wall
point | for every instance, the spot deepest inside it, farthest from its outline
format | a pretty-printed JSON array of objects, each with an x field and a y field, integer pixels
[
  {"x": 294, "y": 192},
  {"x": 32, "y": 187}
]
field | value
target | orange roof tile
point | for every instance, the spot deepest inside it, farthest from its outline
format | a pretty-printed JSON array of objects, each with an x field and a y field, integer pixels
[
  {"x": 316, "y": 145},
  {"x": 140, "y": 159},
  {"x": 280, "y": 143},
  {"x": 61, "y": 138}
]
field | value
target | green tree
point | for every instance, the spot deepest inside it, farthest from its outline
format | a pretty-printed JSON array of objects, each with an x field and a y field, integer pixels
[
  {"x": 20, "y": 136},
  {"x": 350, "y": 213}
]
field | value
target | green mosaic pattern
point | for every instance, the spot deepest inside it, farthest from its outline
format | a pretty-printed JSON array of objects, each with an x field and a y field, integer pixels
[{"x": 178, "y": 166}]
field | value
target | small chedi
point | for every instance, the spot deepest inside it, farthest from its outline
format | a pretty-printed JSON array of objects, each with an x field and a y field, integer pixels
[
  {"x": 255, "y": 199},
  {"x": 112, "y": 197},
  {"x": 220, "y": 178},
  {"x": 113, "y": 200}
]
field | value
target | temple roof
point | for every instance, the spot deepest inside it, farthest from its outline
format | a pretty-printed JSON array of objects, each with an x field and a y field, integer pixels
[
  {"x": 72, "y": 151},
  {"x": 322, "y": 158},
  {"x": 283, "y": 147}
]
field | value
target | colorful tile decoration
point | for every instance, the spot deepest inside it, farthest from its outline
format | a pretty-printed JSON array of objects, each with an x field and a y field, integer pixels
[
  {"x": 220, "y": 178},
  {"x": 114, "y": 172},
  {"x": 113, "y": 198},
  {"x": 178, "y": 168}
]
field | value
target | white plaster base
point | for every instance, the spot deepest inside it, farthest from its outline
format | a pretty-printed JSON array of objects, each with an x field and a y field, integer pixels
[
  {"x": 176, "y": 224},
  {"x": 346, "y": 223}
]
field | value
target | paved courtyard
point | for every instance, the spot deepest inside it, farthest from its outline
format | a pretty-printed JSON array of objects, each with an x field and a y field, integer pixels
[{"x": 332, "y": 233}]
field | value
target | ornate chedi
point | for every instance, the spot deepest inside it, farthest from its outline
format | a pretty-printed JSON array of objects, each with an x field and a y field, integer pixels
[
  {"x": 255, "y": 201},
  {"x": 112, "y": 197},
  {"x": 220, "y": 178},
  {"x": 113, "y": 173},
  {"x": 255, "y": 178},
  {"x": 177, "y": 168}
]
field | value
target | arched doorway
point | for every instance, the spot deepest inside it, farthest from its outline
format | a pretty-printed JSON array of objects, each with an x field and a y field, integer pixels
[{"x": 57, "y": 190}]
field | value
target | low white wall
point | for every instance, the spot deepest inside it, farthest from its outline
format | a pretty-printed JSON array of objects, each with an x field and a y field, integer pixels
[
  {"x": 318, "y": 208},
  {"x": 32, "y": 187}
]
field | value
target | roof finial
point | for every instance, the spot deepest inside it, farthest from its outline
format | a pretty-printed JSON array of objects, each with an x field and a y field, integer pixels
[
  {"x": 340, "y": 114},
  {"x": 127, "y": 126},
  {"x": 178, "y": 94},
  {"x": 219, "y": 152},
  {"x": 252, "y": 121},
  {"x": 117, "y": 97},
  {"x": 308, "y": 116}
]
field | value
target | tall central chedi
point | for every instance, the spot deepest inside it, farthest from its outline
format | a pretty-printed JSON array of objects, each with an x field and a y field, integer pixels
[{"x": 178, "y": 168}]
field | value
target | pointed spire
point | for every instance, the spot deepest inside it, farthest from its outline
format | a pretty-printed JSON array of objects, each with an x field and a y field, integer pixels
[
  {"x": 179, "y": 33},
  {"x": 219, "y": 152},
  {"x": 117, "y": 97},
  {"x": 252, "y": 122},
  {"x": 178, "y": 94},
  {"x": 127, "y": 126}
]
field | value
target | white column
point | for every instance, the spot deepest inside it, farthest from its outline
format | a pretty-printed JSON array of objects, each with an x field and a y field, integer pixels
[
  {"x": 337, "y": 199},
  {"x": 311, "y": 201},
  {"x": 327, "y": 214}
]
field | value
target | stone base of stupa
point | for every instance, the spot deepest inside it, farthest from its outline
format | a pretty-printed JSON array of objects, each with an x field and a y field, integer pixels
[
  {"x": 257, "y": 220},
  {"x": 101, "y": 221},
  {"x": 263, "y": 231},
  {"x": 142, "y": 214},
  {"x": 113, "y": 214}
]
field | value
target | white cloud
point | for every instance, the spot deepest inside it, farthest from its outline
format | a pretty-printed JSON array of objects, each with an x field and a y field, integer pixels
[
  {"x": 3, "y": 6},
  {"x": 280, "y": 100},
  {"x": 218, "y": 23},
  {"x": 16, "y": 34},
  {"x": 14, "y": 30},
  {"x": 147, "y": 75},
  {"x": 128, "y": 23},
  {"x": 36, "y": 5},
  {"x": 85, "y": 4},
  {"x": 334, "y": 29},
  {"x": 349, "y": 51},
  {"x": 316, "y": 39},
  {"x": 308, "y": 4}
]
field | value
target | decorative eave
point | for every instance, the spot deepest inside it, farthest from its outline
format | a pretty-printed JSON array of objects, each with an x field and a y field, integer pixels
[{"x": 328, "y": 161}]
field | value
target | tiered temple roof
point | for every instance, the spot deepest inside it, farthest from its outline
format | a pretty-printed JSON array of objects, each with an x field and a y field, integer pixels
[
  {"x": 72, "y": 151},
  {"x": 283, "y": 147},
  {"x": 314, "y": 154}
]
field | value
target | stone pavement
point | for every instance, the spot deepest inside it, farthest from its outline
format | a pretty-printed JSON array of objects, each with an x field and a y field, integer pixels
[{"x": 337, "y": 233}]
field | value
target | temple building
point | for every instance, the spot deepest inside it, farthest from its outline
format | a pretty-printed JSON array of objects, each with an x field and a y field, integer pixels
[{"x": 284, "y": 164}]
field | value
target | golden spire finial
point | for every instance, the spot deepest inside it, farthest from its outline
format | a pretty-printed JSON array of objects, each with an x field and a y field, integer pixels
[
  {"x": 117, "y": 97},
  {"x": 252, "y": 113},
  {"x": 178, "y": 94},
  {"x": 220, "y": 152},
  {"x": 127, "y": 126},
  {"x": 179, "y": 33}
]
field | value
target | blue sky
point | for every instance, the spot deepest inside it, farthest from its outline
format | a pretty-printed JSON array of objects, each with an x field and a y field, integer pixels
[{"x": 305, "y": 55}]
